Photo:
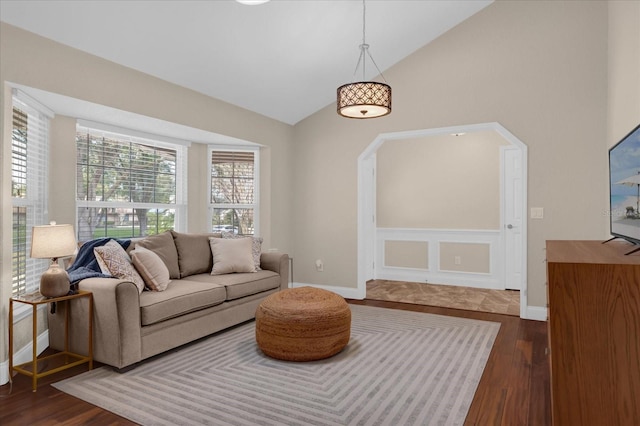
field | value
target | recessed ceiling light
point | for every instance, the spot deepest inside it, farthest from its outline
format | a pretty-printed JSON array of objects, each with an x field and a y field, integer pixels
[
  {"x": 252, "y": 2},
  {"x": 458, "y": 134}
]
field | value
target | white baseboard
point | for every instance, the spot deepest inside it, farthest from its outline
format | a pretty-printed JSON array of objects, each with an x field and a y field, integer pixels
[
  {"x": 536, "y": 313},
  {"x": 24, "y": 354},
  {"x": 346, "y": 292}
]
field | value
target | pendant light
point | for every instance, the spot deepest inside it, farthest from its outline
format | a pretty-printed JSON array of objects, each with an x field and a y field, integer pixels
[{"x": 364, "y": 99}]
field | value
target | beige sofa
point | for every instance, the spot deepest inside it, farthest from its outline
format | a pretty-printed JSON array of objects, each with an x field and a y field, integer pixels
[{"x": 130, "y": 326}]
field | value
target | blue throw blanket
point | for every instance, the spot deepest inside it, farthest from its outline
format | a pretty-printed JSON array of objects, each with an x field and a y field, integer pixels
[{"x": 85, "y": 265}]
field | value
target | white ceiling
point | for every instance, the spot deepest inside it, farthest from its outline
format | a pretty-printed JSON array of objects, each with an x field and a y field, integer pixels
[{"x": 283, "y": 59}]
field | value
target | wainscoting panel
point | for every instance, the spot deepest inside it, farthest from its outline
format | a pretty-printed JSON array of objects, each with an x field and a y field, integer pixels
[
  {"x": 406, "y": 254},
  {"x": 462, "y": 257}
]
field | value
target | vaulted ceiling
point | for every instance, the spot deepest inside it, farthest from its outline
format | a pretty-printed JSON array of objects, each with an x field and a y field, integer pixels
[{"x": 282, "y": 59}]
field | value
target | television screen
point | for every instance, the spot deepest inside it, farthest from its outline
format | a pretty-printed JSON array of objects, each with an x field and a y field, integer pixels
[{"x": 624, "y": 178}]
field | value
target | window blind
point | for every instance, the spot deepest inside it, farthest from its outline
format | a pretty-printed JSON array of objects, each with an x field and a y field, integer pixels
[
  {"x": 127, "y": 186},
  {"x": 233, "y": 190},
  {"x": 29, "y": 172}
]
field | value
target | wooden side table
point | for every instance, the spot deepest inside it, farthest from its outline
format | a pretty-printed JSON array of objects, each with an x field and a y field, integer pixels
[{"x": 61, "y": 360}]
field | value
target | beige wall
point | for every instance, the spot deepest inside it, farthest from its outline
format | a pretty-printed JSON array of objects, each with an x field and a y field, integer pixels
[
  {"x": 440, "y": 182},
  {"x": 537, "y": 68},
  {"x": 623, "y": 69},
  {"x": 33, "y": 61}
]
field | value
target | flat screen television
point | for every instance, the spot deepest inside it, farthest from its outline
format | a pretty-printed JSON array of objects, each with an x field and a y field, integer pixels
[{"x": 624, "y": 187}]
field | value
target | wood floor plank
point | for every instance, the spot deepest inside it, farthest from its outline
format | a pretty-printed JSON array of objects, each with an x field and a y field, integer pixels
[
  {"x": 540, "y": 391},
  {"x": 500, "y": 394},
  {"x": 518, "y": 393},
  {"x": 489, "y": 404}
]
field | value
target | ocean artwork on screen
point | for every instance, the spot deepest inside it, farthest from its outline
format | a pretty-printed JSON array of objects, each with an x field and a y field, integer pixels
[{"x": 624, "y": 167}]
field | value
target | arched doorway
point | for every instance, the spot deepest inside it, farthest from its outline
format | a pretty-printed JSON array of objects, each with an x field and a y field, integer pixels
[{"x": 509, "y": 241}]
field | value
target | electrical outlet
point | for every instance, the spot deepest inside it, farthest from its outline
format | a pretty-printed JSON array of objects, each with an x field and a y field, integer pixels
[
  {"x": 319, "y": 265},
  {"x": 457, "y": 260},
  {"x": 537, "y": 213}
]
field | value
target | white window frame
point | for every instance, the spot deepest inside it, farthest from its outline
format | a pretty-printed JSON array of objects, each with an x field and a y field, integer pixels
[
  {"x": 36, "y": 200},
  {"x": 256, "y": 185},
  {"x": 181, "y": 147}
]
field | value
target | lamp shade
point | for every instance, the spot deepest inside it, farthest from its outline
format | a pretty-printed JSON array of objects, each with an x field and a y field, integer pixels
[
  {"x": 364, "y": 99},
  {"x": 52, "y": 241}
]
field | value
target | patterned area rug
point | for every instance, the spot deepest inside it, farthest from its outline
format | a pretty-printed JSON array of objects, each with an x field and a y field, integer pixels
[{"x": 399, "y": 368}]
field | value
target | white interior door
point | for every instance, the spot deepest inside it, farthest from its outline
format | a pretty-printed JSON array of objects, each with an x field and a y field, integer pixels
[{"x": 513, "y": 220}]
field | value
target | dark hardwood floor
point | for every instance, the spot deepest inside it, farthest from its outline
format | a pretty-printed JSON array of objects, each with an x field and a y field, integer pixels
[{"x": 514, "y": 389}]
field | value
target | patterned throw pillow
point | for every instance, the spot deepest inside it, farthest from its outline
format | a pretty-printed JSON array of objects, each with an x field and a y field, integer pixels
[
  {"x": 256, "y": 248},
  {"x": 152, "y": 269},
  {"x": 114, "y": 261}
]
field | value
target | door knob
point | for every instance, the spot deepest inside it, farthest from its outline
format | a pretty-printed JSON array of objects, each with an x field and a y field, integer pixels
[{"x": 509, "y": 226}]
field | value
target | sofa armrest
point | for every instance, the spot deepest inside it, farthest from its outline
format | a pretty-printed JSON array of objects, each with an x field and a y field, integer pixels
[
  {"x": 116, "y": 322},
  {"x": 279, "y": 263}
]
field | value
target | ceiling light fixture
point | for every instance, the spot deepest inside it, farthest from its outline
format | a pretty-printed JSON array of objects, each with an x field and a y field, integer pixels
[
  {"x": 364, "y": 99},
  {"x": 252, "y": 2}
]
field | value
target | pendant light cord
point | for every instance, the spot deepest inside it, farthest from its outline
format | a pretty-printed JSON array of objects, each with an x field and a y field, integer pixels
[
  {"x": 364, "y": 21},
  {"x": 365, "y": 47}
]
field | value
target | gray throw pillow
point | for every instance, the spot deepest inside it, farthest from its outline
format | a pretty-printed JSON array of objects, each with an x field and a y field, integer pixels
[{"x": 194, "y": 253}]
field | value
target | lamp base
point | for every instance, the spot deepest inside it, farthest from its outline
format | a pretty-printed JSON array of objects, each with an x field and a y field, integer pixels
[{"x": 54, "y": 282}]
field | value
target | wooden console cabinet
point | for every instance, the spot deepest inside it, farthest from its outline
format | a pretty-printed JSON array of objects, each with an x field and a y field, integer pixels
[{"x": 594, "y": 332}]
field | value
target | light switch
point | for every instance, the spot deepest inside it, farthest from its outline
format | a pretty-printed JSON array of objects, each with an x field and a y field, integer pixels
[{"x": 537, "y": 212}]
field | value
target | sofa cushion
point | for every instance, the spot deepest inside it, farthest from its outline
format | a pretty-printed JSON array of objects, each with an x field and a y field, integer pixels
[
  {"x": 152, "y": 269},
  {"x": 231, "y": 256},
  {"x": 114, "y": 261},
  {"x": 194, "y": 253},
  {"x": 180, "y": 297},
  {"x": 256, "y": 248},
  {"x": 163, "y": 246},
  {"x": 241, "y": 285}
]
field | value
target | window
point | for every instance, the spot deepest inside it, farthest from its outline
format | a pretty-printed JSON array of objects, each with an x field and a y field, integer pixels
[
  {"x": 234, "y": 190},
  {"x": 128, "y": 186},
  {"x": 29, "y": 170}
]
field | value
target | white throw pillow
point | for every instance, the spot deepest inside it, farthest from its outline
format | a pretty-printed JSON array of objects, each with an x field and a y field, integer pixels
[
  {"x": 256, "y": 247},
  {"x": 115, "y": 261},
  {"x": 231, "y": 255},
  {"x": 152, "y": 269}
]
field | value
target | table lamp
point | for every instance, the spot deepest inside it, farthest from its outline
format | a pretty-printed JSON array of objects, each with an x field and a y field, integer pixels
[{"x": 51, "y": 242}]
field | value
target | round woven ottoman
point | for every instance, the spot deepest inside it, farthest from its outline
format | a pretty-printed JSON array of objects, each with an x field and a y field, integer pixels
[{"x": 303, "y": 324}]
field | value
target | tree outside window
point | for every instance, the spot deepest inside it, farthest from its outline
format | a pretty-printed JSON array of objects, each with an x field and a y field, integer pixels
[
  {"x": 233, "y": 191},
  {"x": 125, "y": 187}
]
